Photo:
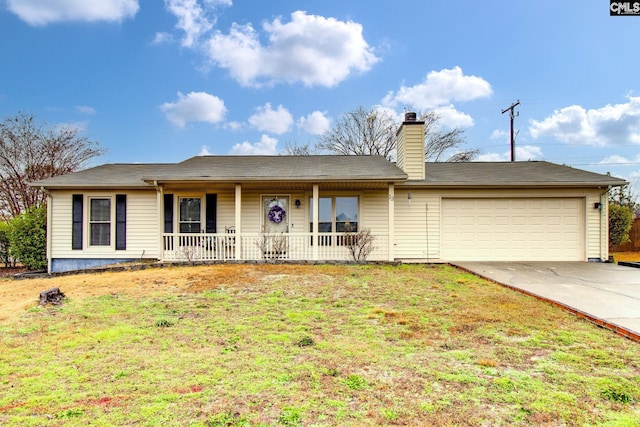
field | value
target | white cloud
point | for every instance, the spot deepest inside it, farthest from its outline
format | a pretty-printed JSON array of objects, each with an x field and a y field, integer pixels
[
  {"x": 499, "y": 134},
  {"x": 609, "y": 125},
  {"x": 315, "y": 123},
  {"x": 450, "y": 117},
  {"x": 204, "y": 151},
  {"x": 43, "y": 12},
  {"x": 619, "y": 160},
  {"x": 84, "y": 109},
  {"x": 440, "y": 88},
  {"x": 162, "y": 38},
  {"x": 276, "y": 121},
  {"x": 397, "y": 117},
  {"x": 266, "y": 146},
  {"x": 310, "y": 49},
  {"x": 194, "y": 107},
  {"x": 192, "y": 19},
  {"x": 523, "y": 153},
  {"x": 233, "y": 125}
]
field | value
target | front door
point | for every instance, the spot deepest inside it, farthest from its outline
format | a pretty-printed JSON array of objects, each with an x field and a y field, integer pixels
[
  {"x": 274, "y": 241},
  {"x": 276, "y": 214}
]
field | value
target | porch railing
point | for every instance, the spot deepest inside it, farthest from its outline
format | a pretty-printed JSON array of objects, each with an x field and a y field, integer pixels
[{"x": 265, "y": 246}]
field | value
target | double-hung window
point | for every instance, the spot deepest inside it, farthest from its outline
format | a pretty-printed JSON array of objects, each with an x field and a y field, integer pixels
[
  {"x": 190, "y": 215},
  {"x": 104, "y": 222},
  {"x": 100, "y": 222}
]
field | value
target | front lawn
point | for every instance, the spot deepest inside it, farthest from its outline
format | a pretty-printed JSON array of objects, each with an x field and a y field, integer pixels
[{"x": 288, "y": 345}]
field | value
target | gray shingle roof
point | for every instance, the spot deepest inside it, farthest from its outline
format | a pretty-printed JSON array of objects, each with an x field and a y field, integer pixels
[
  {"x": 233, "y": 169},
  {"x": 329, "y": 169},
  {"x": 283, "y": 168},
  {"x": 512, "y": 174},
  {"x": 117, "y": 175}
]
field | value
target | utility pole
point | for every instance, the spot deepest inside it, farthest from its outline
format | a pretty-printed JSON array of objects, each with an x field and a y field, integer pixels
[{"x": 511, "y": 116}]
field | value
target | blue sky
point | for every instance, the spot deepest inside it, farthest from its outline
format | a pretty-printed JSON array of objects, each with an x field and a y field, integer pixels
[{"x": 161, "y": 81}]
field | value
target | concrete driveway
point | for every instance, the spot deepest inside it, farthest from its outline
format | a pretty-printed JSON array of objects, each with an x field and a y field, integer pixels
[{"x": 607, "y": 294}]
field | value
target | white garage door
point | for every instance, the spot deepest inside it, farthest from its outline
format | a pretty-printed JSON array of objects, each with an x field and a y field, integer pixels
[{"x": 527, "y": 229}]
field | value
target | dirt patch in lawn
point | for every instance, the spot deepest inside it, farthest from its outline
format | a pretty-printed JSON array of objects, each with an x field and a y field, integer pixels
[{"x": 18, "y": 296}]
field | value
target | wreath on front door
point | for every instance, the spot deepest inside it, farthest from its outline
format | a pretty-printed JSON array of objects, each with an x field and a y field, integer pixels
[{"x": 276, "y": 214}]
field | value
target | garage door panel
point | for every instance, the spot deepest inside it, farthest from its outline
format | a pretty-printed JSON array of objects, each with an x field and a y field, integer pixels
[{"x": 513, "y": 229}]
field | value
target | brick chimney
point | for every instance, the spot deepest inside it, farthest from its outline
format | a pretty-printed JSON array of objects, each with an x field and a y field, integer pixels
[{"x": 410, "y": 147}]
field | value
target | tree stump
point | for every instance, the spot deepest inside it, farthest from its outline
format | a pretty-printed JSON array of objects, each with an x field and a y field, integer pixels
[{"x": 51, "y": 296}]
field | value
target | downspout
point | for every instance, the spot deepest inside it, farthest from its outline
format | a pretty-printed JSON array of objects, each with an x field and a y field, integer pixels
[{"x": 49, "y": 243}]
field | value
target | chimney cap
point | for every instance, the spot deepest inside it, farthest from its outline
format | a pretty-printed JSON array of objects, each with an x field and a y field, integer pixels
[{"x": 410, "y": 117}]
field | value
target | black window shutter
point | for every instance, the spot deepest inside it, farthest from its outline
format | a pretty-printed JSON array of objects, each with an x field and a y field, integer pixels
[
  {"x": 76, "y": 229},
  {"x": 121, "y": 222},
  {"x": 168, "y": 213},
  {"x": 212, "y": 209}
]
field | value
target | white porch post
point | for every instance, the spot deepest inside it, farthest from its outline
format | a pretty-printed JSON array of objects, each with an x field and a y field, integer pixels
[
  {"x": 316, "y": 216},
  {"x": 160, "y": 205},
  {"x": 392, "y": 222},
  {"x": 238, "y": 221}
]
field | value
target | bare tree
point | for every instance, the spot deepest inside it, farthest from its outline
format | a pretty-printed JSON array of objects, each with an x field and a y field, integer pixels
[
  {"x": 362, "y": 132},
  {"x": 31, "y": 151},
  {"x": 439, "y": 143},
  {"x": 293, "y": 149},
  {"x": 373, "y": 132}
]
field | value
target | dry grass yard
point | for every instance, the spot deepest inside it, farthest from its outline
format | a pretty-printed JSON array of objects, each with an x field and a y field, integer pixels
[{"x": 288, "y": 345}]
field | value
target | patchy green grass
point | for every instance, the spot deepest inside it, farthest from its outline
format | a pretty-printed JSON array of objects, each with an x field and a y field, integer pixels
[{"x": 313, "y": 345}]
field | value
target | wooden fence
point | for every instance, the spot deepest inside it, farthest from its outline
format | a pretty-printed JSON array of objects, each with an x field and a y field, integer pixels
[{"x": 634, "y": 235}]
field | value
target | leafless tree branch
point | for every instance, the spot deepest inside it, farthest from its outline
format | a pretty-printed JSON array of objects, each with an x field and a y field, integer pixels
[{"x": 29, "y": 152}]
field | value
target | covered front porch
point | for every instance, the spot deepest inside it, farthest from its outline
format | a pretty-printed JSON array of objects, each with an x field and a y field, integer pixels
[{"x": 339, "y": 221}]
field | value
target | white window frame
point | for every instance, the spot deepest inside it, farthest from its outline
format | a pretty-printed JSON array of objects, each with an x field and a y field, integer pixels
[{"x": 90, "y": 222}]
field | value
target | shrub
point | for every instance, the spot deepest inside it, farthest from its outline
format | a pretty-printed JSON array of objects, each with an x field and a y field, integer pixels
[
  {"x": 5, "y": 254},
  {"x": 28, "y": 238},
  {"x": 620, "y": 219},
  {"x": 360, "y": 243}
]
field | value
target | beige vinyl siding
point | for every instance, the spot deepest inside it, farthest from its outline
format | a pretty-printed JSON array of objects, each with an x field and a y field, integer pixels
[
  {"x": 60, "y": 224},
  {"x": 251, "y": 211},
  {"x": 597, "y": 227},
  {"x": 142, "y": 226},
  {"x": 374, "y": 211},
  {"x": 413, "y": 220},
  {"x": 298, "y": 217},
  {"x": 226, "y": 216}
]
